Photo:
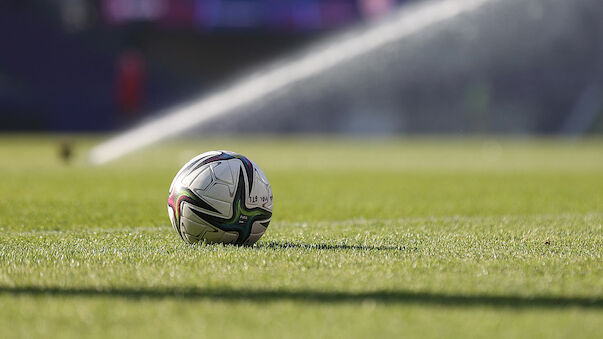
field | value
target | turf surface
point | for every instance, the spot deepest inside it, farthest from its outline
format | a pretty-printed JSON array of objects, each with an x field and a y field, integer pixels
[{"x": 417, "y": 237}]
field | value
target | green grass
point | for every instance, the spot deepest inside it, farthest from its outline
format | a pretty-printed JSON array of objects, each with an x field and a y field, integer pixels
[{"x": 370, "y": 238}]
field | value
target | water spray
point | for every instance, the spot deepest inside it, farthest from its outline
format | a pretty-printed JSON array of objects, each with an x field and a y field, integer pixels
[{"x": 334, "y": 51}]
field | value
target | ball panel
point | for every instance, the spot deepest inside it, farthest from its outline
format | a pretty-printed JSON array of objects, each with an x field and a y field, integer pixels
[
  {"x": 219, "y": 191},
  {"x": 257, "y": 230},
  {"x": 223, "y": 172},
  {"x": 172, "y": 218},
  {"x": 224, "y": 208},
  {"x": 193, "y": 232},
  {"x": 199, "y": 178}
]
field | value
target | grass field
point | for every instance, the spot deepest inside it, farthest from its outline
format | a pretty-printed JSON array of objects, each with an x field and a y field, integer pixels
[{"x": 369, "y": 238}]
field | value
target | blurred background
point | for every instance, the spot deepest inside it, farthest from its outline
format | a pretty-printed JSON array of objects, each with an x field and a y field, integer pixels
[{"x": 516, "y": 67}]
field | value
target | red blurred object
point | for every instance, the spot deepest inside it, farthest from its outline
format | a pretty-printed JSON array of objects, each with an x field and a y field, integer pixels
[{"x": 130, "y": 79}]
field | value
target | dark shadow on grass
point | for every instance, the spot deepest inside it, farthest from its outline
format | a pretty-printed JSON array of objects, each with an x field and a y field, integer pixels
[
  {"x": 385, "y": 297},
  {"x": 293, "y": 245}
]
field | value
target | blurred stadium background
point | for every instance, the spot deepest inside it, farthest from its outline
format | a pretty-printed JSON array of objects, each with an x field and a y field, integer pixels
[{"x": 517, "y": 67}]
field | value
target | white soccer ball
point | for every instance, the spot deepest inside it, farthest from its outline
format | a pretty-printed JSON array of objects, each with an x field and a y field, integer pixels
[{"x": 220, "y": 197}]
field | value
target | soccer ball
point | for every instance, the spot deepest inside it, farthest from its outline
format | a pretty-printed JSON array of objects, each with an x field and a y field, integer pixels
[{"x": 220, "y": 197}]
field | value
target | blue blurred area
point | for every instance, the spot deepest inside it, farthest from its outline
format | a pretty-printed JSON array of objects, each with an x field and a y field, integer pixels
[{"x": 220, "y": 14}]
